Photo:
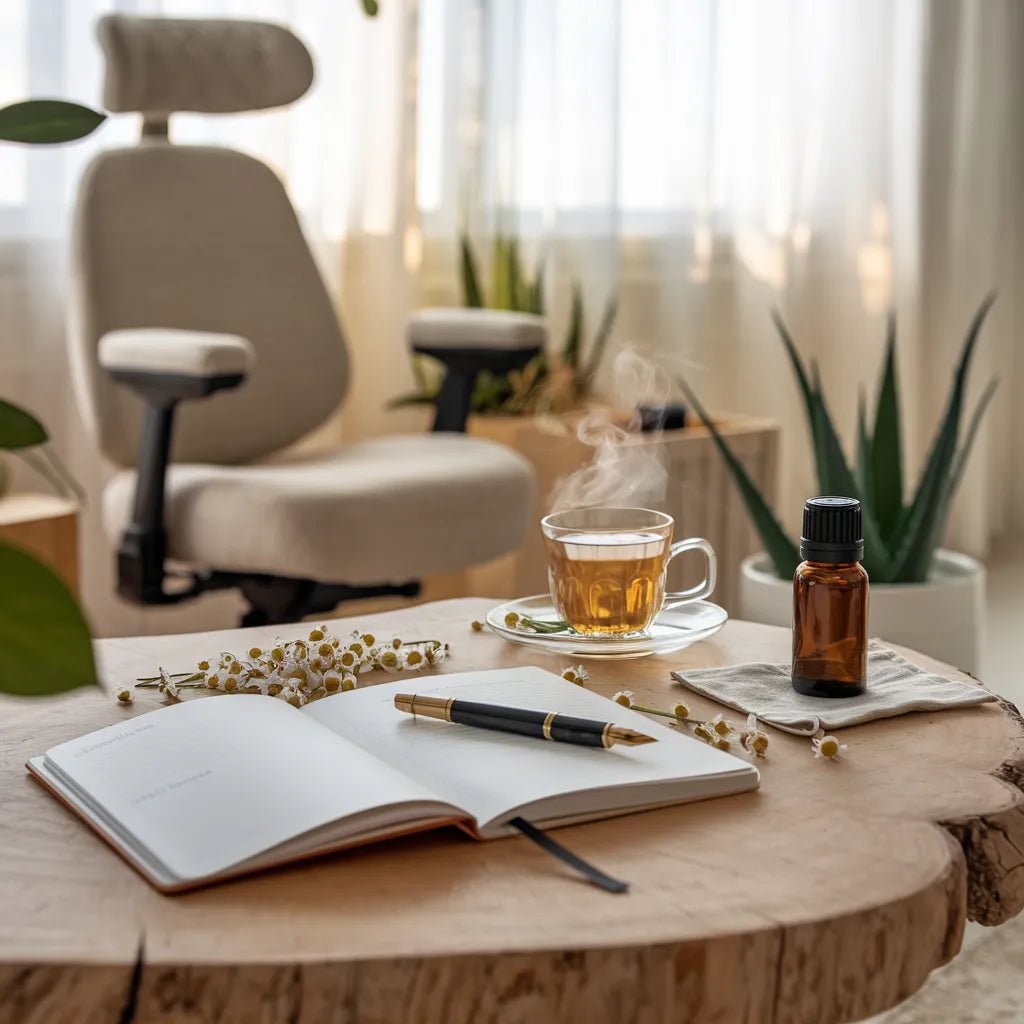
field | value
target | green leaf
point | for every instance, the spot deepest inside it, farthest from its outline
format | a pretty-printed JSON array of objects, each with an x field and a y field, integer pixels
[
  {"x": 573, "y": 339},
  {"x": 887, "y": 446},
  {"x": 44, "y": 639},
  {"x": 836, "y": 477},
  {"x": 600, "y": 343},
  {"x": 809, "y": 394},
  {"x": 781, "y": 550},
  {"x": 864, "y": 462},
  {"x": 46, "y": 121},
  {"x": 923, "y": 522},
  {"x": 501, "y": 286},
  {"x": 18, "y": 428},
  {"x": 535, "y": 289},
  {"x": 517, "y": 284},
  {"x": 471, "y": 294},
  {"x": 960, "y": 462},
  {"x": 413, "y": 398}
]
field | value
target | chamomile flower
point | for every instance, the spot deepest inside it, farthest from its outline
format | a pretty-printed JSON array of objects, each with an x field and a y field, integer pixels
[
  {"x": 623, "y": 697},
  {"x": 576, "y": 674},
  {"x": 681, "y": 710},
  {"x": 827, "y": 747}
]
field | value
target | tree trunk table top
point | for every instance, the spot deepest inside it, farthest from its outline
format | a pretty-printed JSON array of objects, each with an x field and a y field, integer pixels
[{"x": 827, "y": 895}]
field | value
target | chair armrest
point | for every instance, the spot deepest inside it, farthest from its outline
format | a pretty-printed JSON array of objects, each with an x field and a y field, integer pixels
[
  {"x": 468, "y": 342},
  {"x": 168, "y": 365},
  {"x": 466, "y": 330},
  {"x": 163, "y": 367}
]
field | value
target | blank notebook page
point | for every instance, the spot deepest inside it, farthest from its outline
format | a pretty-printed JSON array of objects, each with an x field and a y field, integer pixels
[{"x": 490, "y": 773}]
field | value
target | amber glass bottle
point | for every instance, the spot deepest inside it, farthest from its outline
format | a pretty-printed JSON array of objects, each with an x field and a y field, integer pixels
[{"x": 830, "y": 601}]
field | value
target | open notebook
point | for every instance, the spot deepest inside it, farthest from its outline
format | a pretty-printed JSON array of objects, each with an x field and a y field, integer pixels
[{"x": 209, "y": 788}]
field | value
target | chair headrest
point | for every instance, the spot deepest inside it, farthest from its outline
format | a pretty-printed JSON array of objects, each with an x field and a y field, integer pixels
[{"x": 216, "y": 66}]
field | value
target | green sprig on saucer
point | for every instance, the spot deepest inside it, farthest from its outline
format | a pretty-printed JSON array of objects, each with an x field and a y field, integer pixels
[{"x": 516, "y": 621}]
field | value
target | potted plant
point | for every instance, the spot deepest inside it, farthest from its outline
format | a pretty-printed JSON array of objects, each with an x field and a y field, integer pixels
[
  {"x": 921, "y": 595},
  {"x": 45, "y": 647},
  {"x": 553, "y": 382}
]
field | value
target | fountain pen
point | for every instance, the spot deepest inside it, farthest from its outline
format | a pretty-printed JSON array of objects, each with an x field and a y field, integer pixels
[{"x": 541, "y": 725}]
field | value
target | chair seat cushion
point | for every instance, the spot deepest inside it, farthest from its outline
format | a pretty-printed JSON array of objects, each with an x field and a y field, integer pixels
[
  {"x": 386, "y": 510},
  {"x": 476, "y": 328}
]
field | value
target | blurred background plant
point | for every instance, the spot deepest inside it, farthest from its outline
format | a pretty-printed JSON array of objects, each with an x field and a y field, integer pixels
[
  {"x": 900, "y": 537},
  {"x": 45, "y": 646},
  {"x": 553, "y": 382}
]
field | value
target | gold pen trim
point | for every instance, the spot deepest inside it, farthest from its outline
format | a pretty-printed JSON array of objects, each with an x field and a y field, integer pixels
[
  {"x": 606, "y": 739},
  {"x": 546, "y": 727}
]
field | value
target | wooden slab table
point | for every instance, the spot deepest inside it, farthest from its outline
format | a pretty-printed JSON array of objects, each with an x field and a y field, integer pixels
[{"x": 828, "y": 895}]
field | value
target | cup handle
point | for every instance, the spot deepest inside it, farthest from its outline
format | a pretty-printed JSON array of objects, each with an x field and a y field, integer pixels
[{"x": 707, "y": 585}]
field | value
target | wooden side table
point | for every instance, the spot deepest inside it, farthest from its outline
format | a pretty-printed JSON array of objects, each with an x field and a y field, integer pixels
[
  {"x": 47, "y": 527},
  {"x": 827, "y": 895}
]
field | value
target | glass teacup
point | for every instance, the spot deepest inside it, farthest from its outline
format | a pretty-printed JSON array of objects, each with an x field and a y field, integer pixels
[{"x": 606, "y": 568}]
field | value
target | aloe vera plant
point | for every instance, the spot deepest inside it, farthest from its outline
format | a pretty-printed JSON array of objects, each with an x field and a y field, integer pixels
[
  {"x": 901, "y": 530},
  {"x": 550, "y": 382}
]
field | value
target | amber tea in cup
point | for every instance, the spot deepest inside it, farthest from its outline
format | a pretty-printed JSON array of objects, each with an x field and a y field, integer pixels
[{"x": 606, "y": 568}]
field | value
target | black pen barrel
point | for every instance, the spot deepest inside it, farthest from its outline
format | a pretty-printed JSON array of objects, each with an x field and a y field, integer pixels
[{"x": 538, "y": 724}]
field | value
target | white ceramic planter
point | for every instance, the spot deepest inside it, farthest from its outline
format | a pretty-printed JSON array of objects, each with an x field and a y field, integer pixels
[{"x": 944, "y": 617}]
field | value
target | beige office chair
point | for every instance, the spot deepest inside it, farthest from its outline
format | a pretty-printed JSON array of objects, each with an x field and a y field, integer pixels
[{"x": 204, "y": 343}]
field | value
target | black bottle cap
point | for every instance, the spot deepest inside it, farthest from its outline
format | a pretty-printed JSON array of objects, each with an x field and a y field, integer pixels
[{"x": 832, "y": 531}]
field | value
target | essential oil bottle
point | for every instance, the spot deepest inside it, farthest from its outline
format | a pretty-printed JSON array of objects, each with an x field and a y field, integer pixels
[{"x": 830, "y": 601}]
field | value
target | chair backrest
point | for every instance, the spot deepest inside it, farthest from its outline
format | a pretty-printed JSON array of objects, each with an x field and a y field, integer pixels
[{"x": 201, "y": 238}]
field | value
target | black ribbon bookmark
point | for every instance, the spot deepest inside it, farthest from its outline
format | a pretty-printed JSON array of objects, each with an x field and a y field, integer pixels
[{"x": 545, "y": 842}]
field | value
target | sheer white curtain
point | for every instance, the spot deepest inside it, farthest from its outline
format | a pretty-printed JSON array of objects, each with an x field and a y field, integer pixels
[
  {"x": 712, "y": 158},
  {"x": 342, "y": 150},
  {"x": 705, "y": 159}
]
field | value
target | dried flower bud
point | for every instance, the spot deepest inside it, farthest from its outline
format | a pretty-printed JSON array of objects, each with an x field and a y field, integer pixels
[
  {"x": 316, "y": 634},
  {"x": 722, "y": 726},
  {"x": 349, "y": 681},
  {"x": 414, "y": 659},
  {"x": 477, "y": 626},
  {"x": 332, "y": 682},
  {"x": 255, "y": 652},
  {"x": 230, "y": 684},
  {"x": 389, "y": 660},
  {"x": 368, "y": 638},
  {"x": 396, "y": 643},
  {"x": 511, "y": 619},
  {"x": 235, "y": 669},
  {"x": 213, "y": 681},
  {"x": 273, "y": 689},
  {"x": 204, "y": 666},
  {"x": 704, "y": 731},
  {"x": 125, "y": 696}
]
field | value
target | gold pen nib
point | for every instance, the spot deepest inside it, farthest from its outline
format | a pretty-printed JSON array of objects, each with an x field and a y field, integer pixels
[{"x": 629, "y": 737}]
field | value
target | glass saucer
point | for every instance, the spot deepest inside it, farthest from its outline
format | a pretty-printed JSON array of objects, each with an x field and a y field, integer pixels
[{"x": 675, "y": 628}]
